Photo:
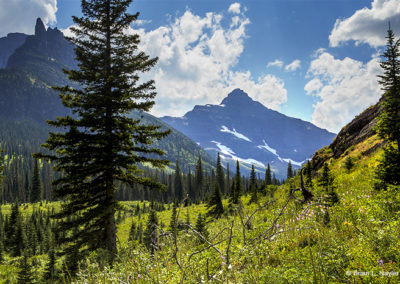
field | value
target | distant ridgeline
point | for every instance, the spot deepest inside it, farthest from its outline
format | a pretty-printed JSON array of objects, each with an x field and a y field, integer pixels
[{"x": 32, "y": 64}]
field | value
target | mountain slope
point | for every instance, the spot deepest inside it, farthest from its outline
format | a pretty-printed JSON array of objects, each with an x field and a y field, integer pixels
[
  {"x": 359, "y": 130},
  {"x": 8, "y": 45},
  {"x": 243, "y": 129}
]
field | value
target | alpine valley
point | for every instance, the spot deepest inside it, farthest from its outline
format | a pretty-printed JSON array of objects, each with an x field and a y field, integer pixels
[{"x": 239, "y": 128}]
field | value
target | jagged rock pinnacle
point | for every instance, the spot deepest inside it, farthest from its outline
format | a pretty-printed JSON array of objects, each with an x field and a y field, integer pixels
[{"x": 40, "y": 29}]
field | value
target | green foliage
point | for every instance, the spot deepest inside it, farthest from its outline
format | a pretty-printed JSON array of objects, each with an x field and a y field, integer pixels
[
  {"x": 268, "y": 177},
  {"x": 173, "y": 224},
  {"x": 178, "y": 186},
  {"x": 36, "y": 189},
  {"x": 348, "y": 163},
  {"x": 201, "y": 228},
  {"x": 220, "y": 175},
  {"x": 290, "y": 172},
  {"x": 150, "y": 234},
  {"x": 102, "y": 145},
  {"x": 326, "y": 181},
  {"x": 25, "y": 274},
  {"x": 216, "y": 209},
  {"x": 51, "y": 272},
  {"x": 388, "y": 126},
  {"x": 236, "y": 188}
]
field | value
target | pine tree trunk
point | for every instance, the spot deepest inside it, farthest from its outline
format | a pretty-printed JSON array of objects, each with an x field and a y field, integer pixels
[{"x": 110, "y": 222}]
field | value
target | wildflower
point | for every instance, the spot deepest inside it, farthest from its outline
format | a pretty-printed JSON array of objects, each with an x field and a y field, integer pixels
[
  {"x": 380, "y": 262},
  {"x": 223, "y": 263},
  {"x": 230, "y": 266},
  {"x": 222, "y": 257},
  {"x": 139, "y": 276}
]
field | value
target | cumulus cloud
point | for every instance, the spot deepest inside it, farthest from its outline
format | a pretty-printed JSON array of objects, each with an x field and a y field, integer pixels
[
  {"x": 196, "y": 59},
  {"x": 234, "y": 8},
  {"x": 367, "y": 25},
  {"x": 21, "y": 15},
  {"x": 344, "y": 88},
  {"x": 296, "y": 64},
  {"x": 276, "y": 62}
]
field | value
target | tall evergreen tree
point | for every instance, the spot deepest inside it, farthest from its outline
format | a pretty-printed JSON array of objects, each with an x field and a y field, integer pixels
[
  {"x": 290, "y": 170},
  {"x": 15, "y": 240},
  {"x": 236, "y": 189},
  {"x": 25, "y": 274},
  {"x": 201, "y": 227},
  {"x": 228, "y": 180},
  {"x": 308, "y": 174},
  {"x": 326, "y": 180},
  {"x": 150, "y": 234},
  {"x": 388, "y": 126},
  {"x": 50, "y": 272},
  {"x": 268, "y": 177},
  {"x": 101, "y": 144},
  {"x": 253, "y": 185},
  {"x": 36, "y": 187},
  {"x": 178, "y": 186},
  {"x": 174, "y": 222},
  {"x": 1, "y": 169},
  {"x": 216, "y": 209},
  {"x": 199, "y": 179},
  {"x": 190, "y": 187},
  {"x": 220, "y": 175}
]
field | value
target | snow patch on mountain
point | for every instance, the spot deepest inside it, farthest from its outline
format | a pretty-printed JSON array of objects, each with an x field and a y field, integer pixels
[
  {"x": 223, "y": 149},
  {"x": 273, "y": 151},
  {"x": 293, "y": 162},
  {"x": 234, "y": 132},
  {"x": 268, "y": 148},
  {"x": 227, "y": 152}
]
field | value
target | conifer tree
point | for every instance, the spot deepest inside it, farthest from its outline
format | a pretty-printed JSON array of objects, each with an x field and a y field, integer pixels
[
  {"x": 290, "y": 170},
  {"x": 50, "y": 272},
  {"x": 308, "y": 174},
  {"x": 15, "y": 239},
  {"x": 199, "y": 180},
  {"x": 178, "y": 186},
  {"x": 228, "y": 180},
  {"x": 216, "y": 209},
  {"x": 36, "y": 185},
  {"x": 150, "y": 234},
  {"x": 132, "y": 231},
  {"x": 190, "y": 187},
  {"x": 220, "y": 175},
  {"x": 25, "y": 274},
  {"x": 268, "y": 177},
  {"x": 201, "y": 227},
  {"x": 174, "y": 222},
  {"x": 388, "y": 126},
  {"x": 327, "y": 182},
  {"x": 236, "y": 188},
  {"x": 101, "y": 144},
  {"x": 1, "y": 169}
]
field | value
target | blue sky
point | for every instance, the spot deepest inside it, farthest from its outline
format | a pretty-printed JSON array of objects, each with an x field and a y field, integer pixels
[{"x": 312, "y": 59}]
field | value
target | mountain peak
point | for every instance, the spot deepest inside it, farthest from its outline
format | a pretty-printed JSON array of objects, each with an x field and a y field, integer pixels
[
  {"x": 236, "y": 97},
  {"x": 40, "y": 29}
]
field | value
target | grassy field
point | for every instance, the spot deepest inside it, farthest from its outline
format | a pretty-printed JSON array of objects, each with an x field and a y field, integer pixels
[{"x": 278, "y": 240}]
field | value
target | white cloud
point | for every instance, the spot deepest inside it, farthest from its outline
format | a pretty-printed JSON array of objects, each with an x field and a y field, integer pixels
[
  {"x": 368, "y": 25},
  {"x": 196, "y": 59},
  {"x": 21, "y": 15},
  {"x": 344, "y": 89},
  {"x": 234, "y": 8},
  {"x": 296, "y": 64},
  {"x": 276, "y": 62}
]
